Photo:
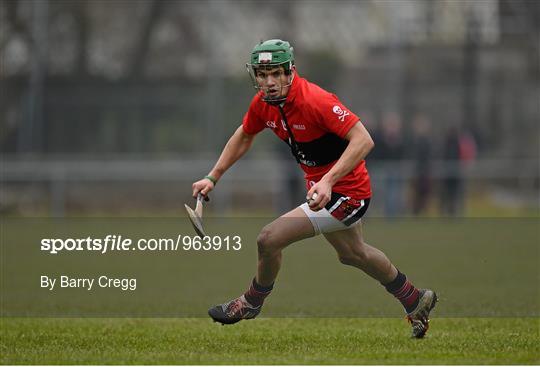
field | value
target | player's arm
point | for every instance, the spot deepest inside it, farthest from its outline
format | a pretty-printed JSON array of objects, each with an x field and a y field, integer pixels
[
  {"x": 360, "y": 144},
  {"x": 238, "y": 144}
]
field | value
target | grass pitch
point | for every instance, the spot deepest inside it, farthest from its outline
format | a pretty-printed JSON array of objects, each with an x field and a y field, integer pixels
[
  {"x": 268, "y": 341},
  {"x": 485, "y": 272}
]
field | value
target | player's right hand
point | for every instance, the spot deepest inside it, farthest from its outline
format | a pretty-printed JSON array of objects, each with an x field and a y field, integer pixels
[{"x": 203, "y": 187}]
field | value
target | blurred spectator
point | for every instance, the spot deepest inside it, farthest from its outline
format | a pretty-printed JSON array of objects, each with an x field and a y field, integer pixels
[
  {"x": 452, "y": 180},
  {"x": 368, "y": 120},
  {"x": 467, "y": 147},
  {"x": 374, "y": 129},
  {"x": 391, "y": 148},
  {"x": 459, "y": 148},
  {"x": 421, "y": 155}
]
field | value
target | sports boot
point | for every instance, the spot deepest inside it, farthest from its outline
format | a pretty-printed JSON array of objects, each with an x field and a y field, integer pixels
[
  {"x": 419, "y": 317},
  {"x": 234, "y": 311}
]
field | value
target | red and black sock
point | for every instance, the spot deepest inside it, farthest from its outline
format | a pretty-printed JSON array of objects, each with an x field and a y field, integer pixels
[
  {"x": 256, "y": 293},
  {"x": 404, "y": 291}
]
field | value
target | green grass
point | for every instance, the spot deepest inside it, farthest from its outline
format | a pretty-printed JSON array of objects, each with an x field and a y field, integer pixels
[
  {"x": 268, "y": 341},
  {"x": 485, "y": 272},
  {"x": 491, "y": 261}
]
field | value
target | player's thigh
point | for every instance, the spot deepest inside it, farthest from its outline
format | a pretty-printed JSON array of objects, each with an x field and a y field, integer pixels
[
  {"x": 290, "y": 227},
  {"x": 348, "y": 241}
]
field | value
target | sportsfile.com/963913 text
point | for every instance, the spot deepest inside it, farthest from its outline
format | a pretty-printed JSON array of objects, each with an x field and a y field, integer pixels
[{"x": 119, "y": 243}]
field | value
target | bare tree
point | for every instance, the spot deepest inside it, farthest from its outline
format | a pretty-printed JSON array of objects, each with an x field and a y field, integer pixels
[{"x": 142, "y": 46}]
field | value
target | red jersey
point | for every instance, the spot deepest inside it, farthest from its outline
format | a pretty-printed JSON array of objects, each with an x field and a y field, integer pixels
[{"x": 314, "y": 123}]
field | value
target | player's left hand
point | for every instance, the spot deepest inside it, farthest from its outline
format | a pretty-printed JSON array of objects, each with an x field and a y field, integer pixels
[{"x": 319, "y": 195}]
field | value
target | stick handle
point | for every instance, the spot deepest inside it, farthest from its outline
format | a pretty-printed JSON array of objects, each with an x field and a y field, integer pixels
[{"x": 198, "y": 206}]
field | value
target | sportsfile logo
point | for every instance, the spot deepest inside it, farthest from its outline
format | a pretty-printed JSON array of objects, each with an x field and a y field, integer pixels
[{"x": 340, "y": 112}]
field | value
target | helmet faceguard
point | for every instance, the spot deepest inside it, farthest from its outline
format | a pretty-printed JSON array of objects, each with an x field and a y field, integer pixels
[{"x": 268, "y": 55}]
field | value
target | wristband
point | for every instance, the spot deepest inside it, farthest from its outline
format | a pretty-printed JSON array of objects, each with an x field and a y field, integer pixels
[{"x": 212, "y": 179}]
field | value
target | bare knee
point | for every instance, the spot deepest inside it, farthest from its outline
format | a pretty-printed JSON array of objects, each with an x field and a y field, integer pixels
[
  {"x": 358, "y": 257},
  {"x": 346, "y": 259},
  {"x": 266, "y": 243}
]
